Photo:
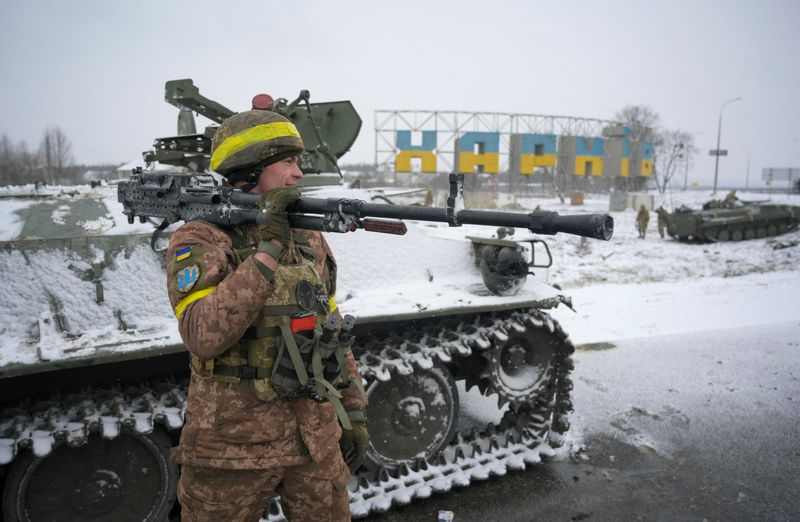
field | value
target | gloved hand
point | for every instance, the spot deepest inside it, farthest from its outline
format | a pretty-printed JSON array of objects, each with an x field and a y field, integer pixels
[
  {"x": 354, "y": 441},
  {"x": 276, "y": 224}
]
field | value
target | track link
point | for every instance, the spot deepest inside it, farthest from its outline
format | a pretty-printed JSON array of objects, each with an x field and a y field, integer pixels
[
  {"x": 69, "y": 419},
  {"x": 522, "y": 439}
]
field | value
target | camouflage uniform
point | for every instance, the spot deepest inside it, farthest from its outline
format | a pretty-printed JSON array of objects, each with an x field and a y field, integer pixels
[
  {"x": 642, "y": 219},
  {"x": 730, "y": 200},
  {"x": 235, "y": 449},
  {"x": 662, "y": 220}
]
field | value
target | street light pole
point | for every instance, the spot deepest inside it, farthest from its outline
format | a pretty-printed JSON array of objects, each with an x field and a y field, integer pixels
[
  {"x": 747, "y": 179},
  {"x": 686, "y": 172},
  {"x": 719, "y": 133}
]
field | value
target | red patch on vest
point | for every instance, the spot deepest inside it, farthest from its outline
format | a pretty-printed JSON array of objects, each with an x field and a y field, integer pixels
[{"x": 300, "y": 324}]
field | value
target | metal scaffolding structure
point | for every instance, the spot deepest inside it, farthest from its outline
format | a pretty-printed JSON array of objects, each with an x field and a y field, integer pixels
[{"x": 449, "y": 125}]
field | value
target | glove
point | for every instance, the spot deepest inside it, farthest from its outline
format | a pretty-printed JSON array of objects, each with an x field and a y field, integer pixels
[
  {"x": 276, "y": 223},
  {"x": 354, "y": 441}
]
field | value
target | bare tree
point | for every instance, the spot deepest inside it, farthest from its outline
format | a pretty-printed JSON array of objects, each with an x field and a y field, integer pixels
[
  {"x": 6, "y": 161},
  {"x": 642, "y": 119},
  {"x": 671, "y": 149},
  {"x": 17, "y": 164},
  {"x": 669, "y": 146},
  {"x": 56, "y": 154}
]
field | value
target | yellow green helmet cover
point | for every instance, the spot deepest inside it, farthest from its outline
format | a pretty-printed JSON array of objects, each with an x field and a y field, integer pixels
[{"x": 250, "y": 137}]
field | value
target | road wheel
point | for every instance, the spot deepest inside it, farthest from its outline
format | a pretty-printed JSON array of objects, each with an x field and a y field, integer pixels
[
  {"x": 724, "y": 235},
  {"x": 737, "y": 235},
  {"x": 761, "y": 232},
  {"x": 783, "y": 228},
  {"x": 129, "y": 478},
  {"x": 772, "y": 230},
  {"x": 411, "y": 415},
  {"x": 749, "y": 233},
  {"x": 519, "y": 367}
]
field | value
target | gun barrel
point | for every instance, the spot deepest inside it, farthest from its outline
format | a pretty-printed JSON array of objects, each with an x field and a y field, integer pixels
[
  {"x": 179, "y": 197},
  {"x": 596, "y": 226}
]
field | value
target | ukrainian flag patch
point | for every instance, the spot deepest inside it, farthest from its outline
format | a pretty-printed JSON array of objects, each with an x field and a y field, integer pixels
[{"x": 183, "y": 253}]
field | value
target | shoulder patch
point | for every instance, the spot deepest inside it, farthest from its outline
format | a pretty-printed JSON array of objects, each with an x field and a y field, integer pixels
[
  {"x": 187, "y": 277},
  {"x": 183, "y": 253}
]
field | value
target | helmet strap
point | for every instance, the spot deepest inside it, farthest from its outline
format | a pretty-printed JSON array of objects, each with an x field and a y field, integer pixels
[{"x": 251, "y": 174}]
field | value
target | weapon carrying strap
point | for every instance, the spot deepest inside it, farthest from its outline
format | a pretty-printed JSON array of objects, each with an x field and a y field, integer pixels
[{"x": 321, "y": 387}]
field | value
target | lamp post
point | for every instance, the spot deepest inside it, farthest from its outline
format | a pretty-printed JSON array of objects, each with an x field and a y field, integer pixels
[
  {"x": 686, "y": 172},
  {"x": 719, "y": 133},
  {"x": 747, "y": 177}
]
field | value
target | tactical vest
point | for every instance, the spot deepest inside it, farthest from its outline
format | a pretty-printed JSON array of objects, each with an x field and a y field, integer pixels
[{"x": 284, "y": 353}]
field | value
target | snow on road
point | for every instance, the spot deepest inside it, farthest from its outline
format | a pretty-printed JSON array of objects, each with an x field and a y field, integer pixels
[
  {"x": 702, "y": 390},
  {"x": 611, "y": 312}
]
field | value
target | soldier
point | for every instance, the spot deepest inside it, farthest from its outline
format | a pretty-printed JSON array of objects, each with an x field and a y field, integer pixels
[
  {"x": 662, "y": 220},
  {"x": 730, "y": 200},
  {"x": 642, "y": 218},
  {"x": 251, "y": 301}
]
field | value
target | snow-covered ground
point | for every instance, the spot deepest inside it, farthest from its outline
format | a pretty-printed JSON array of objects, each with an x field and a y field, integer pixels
[{"x": 626, "y": 259}]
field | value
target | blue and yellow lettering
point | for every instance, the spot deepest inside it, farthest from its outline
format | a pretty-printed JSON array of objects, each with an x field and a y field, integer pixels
[
  {"x": 537, "y": 150},
  {"x": 406, "y": 151},
  {"x": 479, "y": 150},
  {"x": 588, "y": 156}
]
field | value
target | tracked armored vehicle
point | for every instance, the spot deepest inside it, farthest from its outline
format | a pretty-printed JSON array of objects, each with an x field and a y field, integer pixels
[
  {"x": 93, "y": 372},
  {"x": 731, "y": 219}
]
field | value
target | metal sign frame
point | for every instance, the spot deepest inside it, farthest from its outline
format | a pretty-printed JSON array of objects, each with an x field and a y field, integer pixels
[{"x": 449, "y": 125}]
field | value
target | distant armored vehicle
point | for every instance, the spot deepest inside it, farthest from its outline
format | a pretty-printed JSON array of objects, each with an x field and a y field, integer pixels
[
  {"x": 731, "y": 219},
  {"x": 92, "y": 369}
]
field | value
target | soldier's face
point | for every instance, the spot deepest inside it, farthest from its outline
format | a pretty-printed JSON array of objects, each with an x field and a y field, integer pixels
[{"x": 281, "y": 174}]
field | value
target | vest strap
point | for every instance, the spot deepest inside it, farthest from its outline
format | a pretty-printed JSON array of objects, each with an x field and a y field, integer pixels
[
  {"x": 357, "y": 415},
  {"x": 282, "y": 310},
  {"x": 272, "y": 250},
  {"x": 257, "y": 332},
  {"x": 242, "y": 372},
  {"x": 294, "y": 354},
  {"x": 326, "y": 390}
]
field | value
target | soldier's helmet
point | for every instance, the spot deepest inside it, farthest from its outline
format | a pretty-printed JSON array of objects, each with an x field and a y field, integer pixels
[{"x": 253, "y": 138}]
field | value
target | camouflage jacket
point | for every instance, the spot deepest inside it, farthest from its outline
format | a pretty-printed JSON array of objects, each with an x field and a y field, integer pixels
[
  {"x": 225, "y": 425},
  {"x": 642, "y": 217}
]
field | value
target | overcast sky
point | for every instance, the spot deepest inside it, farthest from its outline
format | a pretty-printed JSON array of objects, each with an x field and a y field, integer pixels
[{"x": 97, "y": 68}]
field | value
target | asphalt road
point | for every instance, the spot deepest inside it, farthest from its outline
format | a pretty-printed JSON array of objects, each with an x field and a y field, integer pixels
[{"x": 700, "y": 426}]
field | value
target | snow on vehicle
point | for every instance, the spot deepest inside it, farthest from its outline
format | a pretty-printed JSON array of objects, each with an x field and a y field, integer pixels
[
  {"x": 731, "y": 219},
  {"x": 93, "y": 372}
]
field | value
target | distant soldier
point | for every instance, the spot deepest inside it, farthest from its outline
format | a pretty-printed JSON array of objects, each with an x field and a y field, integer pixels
[
  {"x": 662, "y": 220},
  {"x": 730, "y": 200},
  {"x": 642, "y": 218}
]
